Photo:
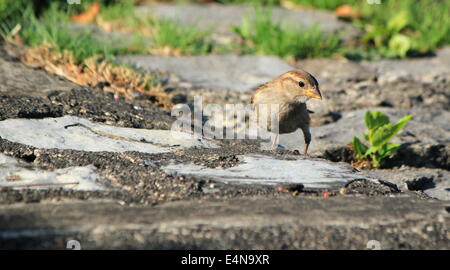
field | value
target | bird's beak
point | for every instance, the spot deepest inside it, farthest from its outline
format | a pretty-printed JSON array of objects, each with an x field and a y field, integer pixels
[{"x": 313, "y": 93}]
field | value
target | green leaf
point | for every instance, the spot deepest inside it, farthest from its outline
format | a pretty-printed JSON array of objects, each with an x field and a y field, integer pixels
[
  {"x": 359, "y": 148},
  {"x": 398, "y": 22},
  {"x": 376, "y": 33},
  {"x": 370, "y": 151},
  {"x": 388, "y": 149},
  {"x": 386, "y": 132},
  {"x": 369, "y": 119},
  {"x": 366, "y": 137},
  {"x": 236, "y": 30},
  {"x": 383, "y": 135},
  {"x": 375, "y": 119},
  {"x": 400, "y": 45},
  {"x": 245, "y": 30}
]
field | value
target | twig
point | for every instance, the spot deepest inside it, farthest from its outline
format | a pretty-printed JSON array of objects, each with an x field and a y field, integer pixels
[{"x": 41, "y": 184}]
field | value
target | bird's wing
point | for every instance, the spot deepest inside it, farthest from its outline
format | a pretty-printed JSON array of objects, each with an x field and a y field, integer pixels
[{"x": 256, "y": 90}]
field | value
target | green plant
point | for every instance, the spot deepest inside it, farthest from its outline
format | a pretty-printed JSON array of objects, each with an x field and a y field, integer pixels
[
  {"x": 380, "y": 132},
  {"x": 402, "y": 28},
  {"x": 121, "y": 10},
  {"x": 394, "y": 29},
  {"x": 322, "y": 4},
  {"x": 252, "y": 2},
  {"x": 388, "y": 36},
  {"x": 12, "y": 9},
  {"x": 261, "y": 35},
  {"x": 188, "y": 40},
  {"x": 53, "y": 27}
]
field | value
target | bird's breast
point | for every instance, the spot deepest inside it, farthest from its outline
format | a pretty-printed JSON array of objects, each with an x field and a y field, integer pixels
[{"x": 293, "y": 116}]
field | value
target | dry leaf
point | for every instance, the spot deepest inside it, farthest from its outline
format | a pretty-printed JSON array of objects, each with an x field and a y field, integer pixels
[
  {"x": 290, "y": 5},
  {"x": 347, "y": 12},
  {"x": 120, "y": 80},
  {"x": 87, "y": 16},
  {"x": 165, "y": 51}
]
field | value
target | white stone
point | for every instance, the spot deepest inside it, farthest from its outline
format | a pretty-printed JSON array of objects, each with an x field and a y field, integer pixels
[
  {"x": 265, "y": 170},
  {"x": 70, "y": 132},
  {"x": 441, "y": 191},
  {"x": 15, "y": 175}
]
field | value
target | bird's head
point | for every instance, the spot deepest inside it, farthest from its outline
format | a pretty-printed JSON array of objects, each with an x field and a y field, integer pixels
[{"x": 300, "y": 85}]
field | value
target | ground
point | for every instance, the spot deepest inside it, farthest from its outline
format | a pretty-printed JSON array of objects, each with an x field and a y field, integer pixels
[{"x": 79, "y": 163}]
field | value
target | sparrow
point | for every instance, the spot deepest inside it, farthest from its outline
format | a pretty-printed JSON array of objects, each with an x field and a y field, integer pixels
[{"x": 290, "y": 91}]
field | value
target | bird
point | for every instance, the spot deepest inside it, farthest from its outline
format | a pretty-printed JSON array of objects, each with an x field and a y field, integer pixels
[{"x": 290, "y": 91}]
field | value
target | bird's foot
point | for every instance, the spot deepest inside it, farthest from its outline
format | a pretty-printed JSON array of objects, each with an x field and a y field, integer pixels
[
  {"x": 280, "y": 147},
  {"x": 306, "y": 149},
  {"x": 297, "y": 152}
]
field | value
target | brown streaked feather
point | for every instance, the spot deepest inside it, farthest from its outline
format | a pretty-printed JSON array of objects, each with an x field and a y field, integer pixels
[
  {"x": 256, "y": 90},
  {"x": 303, "y": 74},
  {"x": 290, "y": 75},
  {"x": 291, "y": 96}
]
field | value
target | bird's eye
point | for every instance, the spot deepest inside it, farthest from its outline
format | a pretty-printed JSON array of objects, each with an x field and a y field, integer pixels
[{"x": 302, "y": 84}]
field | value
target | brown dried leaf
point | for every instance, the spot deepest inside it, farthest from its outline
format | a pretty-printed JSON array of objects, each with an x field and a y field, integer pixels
[
  {"x": 87, "y": 16},
  {"x": 165, "y": 51},
  {"x": 347, "y": 12},
  {"x": 120, "y": 80},
  {"x": 291, "y": 5}
]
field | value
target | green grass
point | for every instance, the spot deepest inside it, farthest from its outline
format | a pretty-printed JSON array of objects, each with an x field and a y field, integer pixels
[
  {"x": 251, "y": 2},
  {"x": 121, "y": 10},
  {"x": 393, "y": 29},
  {"x": 406, "y": 28},
  {"x": 12, "y": 9},
  {"x": 166, "y": 33},
  {"x": 52, "y": 28},
  {"x": 188, "y": 40},
  {"x": 261, "y": 35},
  {"x": 321, "y": 4},
  {"x": 325, "y": 4}
]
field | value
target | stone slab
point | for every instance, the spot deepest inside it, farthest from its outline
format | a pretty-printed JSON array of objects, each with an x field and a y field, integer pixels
[
  {"x": 247, "y": 223},
  {"x": 70, "y": 132},
  {"x": 265, "y": 170},
  {"x": 226, "y": 16},
  {"x": 17, "y": 175},
  {"x": 231, "y": 72}
]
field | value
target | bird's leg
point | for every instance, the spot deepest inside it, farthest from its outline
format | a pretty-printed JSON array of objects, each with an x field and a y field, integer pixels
[
  {"x": 306, "y": 149},
  {"x": 307, "y": 135},
  {"x": 275, "y": 141}
]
